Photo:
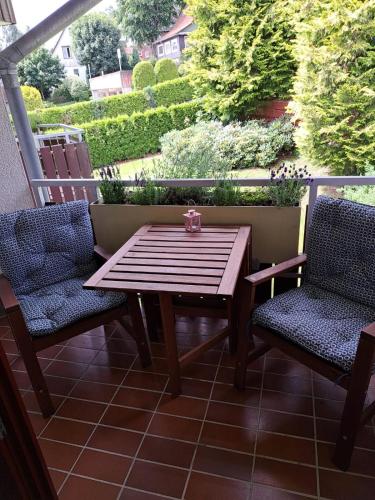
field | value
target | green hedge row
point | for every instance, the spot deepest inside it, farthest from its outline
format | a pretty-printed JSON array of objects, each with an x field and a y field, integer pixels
[
  {"x": 134, "y": 136},
  {"x": 165, "y": 94}
]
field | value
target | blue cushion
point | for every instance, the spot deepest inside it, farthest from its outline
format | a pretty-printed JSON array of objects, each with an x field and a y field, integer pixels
[
  {"x": 42, "y": 246},
  {"x": 324, "y": 323},
  {"x": 52, "y": 307},
  {"x": 341, "y": 249}
]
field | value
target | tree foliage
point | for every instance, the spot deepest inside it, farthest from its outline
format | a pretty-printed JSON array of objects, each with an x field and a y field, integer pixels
[
  {"x": 143, "y": 75},
  {"x": 41, "y": 70},
  {"x": 142, "y": 21},
  {"x": 165, "y": 69},
  {"x": 95, "y": 42},
  {"x": 241, "y": 53},
  {"x": 335, "y": 84},
  {"x": 9, "y": 34},
  {"x": 31, "y": 97}
]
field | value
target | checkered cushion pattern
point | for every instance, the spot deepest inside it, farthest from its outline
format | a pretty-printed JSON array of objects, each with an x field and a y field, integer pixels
[
  {"x": 320, "y": 321},
  {"x": 326, "y": 315},
  {"x": 47, "y": 254}
]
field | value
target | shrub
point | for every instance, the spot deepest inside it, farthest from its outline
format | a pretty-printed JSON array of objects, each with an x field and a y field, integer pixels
[
  {"x": 334, "y": 87},
  {"x": 165, "y": 69},
  {"x": 32, "y": 97},
  {"x": 125, "y": 137},
  {"x": 361, "y": 194},
  {"x": 163, "y": 94},
  {"x": 79, "y": 90},
  {"x": 143, "y": 75},
  {"x": 111, "y": 187}
]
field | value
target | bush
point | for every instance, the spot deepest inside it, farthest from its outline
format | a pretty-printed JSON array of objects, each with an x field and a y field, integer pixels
[
  {"x": 361, "y": 194},
  {"x": 79, "y": 90},
  {"x": 165, "y": 69},
  {"x": 213, "y": 147},
  {"x": 334, "y": 87},
  {"x": 143, "y": 75},
  {"x": 32, "y": 97},
  {"x": 163, "y": 94},
  {"x": 125, "y": 137}
]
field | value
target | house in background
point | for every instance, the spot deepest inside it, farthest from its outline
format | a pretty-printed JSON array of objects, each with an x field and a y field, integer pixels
[
  {"x": 172, "y": 43},
  {"x": 64, "y": 51}
]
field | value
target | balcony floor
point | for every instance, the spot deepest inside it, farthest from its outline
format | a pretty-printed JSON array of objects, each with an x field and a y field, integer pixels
[{"x": 117, "y": 434}]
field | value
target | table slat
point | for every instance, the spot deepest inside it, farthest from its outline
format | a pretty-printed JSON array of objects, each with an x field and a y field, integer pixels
[
  {"x": 126, "y": 268},
  {"x": 191, "y": 239},
  {"x": 162, "y": 278},
  {"x": 180, "y": 254},
  {"x": 205, "y": 229},
  {"x": 155, "y": 287},
  {"x": 172, "y": 262},
  {"x": 190, "y": 244}
]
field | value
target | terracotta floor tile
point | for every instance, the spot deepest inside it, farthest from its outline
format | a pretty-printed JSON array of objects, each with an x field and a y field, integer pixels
[
  {"x": 229, "y": 394},
  {"x": 286, "y": 423},
  {"x": 286, "y": 448},
  {"x": 344, "y": 486},
  {"x": 126, "y": 418},
  {"x": 68, "y": 431},
  {"x": 114, "y": 359},
  {"x": 59, "y": 386},
  {"x": 285, "y": 383},
  {"x": 327, "y": 430},
  {"x": 224, "y": 436},
  {"x": 87, "y": 341},
  {"x": 18, "y": 364},
  {"x": 57, "y": 477},
  {"x": 287, "y": 367},
  {"x": 94, "y": 391},
  {"x": 59, "y": 455},
  {"x": 79, "y": 488},
  {"x": 104, "y": 374},
  {"x": 183, "y": 406},
  {"x": 284, "y": 475},
  {"x": 81, "y": 410},
  {"x": 159, "y": 365},
  {"x": 363, "y": 461},
  {"x": 166, "y": 451},
  {"x": 103, "y": 466},
  {"x": 76, "y": 354},
  {"x": 157, "y": 478},
  {"x": 225, "y": 413},
  {"x": 329, "y": 390},
  {"x": 115, "y": 440},
  {"x": 260, "y": 492},
  {"x": 22, "y": 380},
  {"x": 38, "y": 422},
  {"x": 137, "y": 398},
  {"x": 194, "y": 388},
  {"x": 328, "y": 408},
  {"x": 66, "y": 369},
  {"x": 119, "y": 345},
  {"x": 223, "y": 463},
  {"x": 50, "y": 352},
  {"x": 141, "y": 380},
  {"x": 175, "y": 427},
  {"x": 292, "y": 403},
  {"x": 205, "y": 487},
  {"x": 129, "y": 494},
  {"x": 199, "y": 371},
  {"x": 9, "y": 346}
]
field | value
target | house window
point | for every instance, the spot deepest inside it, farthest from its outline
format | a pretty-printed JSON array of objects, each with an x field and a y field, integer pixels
[
  {"x": 160, "y": 50},
  {"x": 167, "y": 48},
  {"x": 174, "y": 45},
  {"x": 76, "y": 71},
  {"x": 66, "y": 52}
]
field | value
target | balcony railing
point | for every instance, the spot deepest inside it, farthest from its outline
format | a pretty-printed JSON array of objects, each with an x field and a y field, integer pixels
[{"x": 91, "y": 185}]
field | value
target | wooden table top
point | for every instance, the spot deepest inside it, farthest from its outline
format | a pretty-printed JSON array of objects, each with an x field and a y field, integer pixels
[{"x": 166, "y": 258}]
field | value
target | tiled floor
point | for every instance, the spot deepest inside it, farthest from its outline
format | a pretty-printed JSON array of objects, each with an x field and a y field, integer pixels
[{"x": 117, "y": 434}]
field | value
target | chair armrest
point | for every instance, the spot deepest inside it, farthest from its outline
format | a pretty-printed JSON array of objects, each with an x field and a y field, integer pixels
[
  {"x": 102, "y": 253},
  {"x": 271, "y": 272},
  {"x": 369, "y": 331},
  {"x": 7, "y": 297}
]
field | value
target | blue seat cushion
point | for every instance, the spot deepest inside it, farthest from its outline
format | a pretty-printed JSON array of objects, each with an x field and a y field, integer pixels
[
  {"x": 322, "y": 322},
  {"x": 55, "y": 306}
]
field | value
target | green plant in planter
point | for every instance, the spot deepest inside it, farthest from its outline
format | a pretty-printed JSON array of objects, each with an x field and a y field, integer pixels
[
  {"x": 288, "y": 185},
  {"x": 111, "y": 188},
  {"x": 145, "y": 192}
]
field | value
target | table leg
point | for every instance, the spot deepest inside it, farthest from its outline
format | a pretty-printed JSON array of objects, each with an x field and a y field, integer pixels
[
  {"x": 153, "y": 319},
  {"x": 168, "y": 319}
]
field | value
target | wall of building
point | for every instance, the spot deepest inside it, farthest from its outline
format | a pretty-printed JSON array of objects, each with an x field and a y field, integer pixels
[
  {"x": 14, "y": 187},
  {"x": 71, "y": 65}
]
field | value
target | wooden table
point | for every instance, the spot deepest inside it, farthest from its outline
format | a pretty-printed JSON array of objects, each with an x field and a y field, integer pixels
[{"x": 168, "y": 261}]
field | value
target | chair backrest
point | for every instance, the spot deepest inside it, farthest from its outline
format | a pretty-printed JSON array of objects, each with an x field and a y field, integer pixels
[
  {"x": 42, "y": 246},
  {"x": 341, "y": 249}
]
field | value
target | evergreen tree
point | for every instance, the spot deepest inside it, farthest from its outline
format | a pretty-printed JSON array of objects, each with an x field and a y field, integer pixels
[{"x": 335, "y": 84}]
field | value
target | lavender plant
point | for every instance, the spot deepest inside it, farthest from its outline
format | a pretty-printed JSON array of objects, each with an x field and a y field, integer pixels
[{"x": 288, "y": 185}]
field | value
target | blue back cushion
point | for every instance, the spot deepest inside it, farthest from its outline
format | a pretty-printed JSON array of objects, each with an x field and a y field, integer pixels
[
  {"x": 341, "y": 249},
  {"x": 42, "y": 246}
]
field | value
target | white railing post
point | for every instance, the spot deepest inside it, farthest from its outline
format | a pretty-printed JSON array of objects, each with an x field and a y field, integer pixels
[{"x": 313, "y": 194}]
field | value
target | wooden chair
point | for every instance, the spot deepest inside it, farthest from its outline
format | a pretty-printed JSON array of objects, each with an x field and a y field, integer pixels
[
  {"x": 46, "y": 255},
  {"x": 328, "y": 323}
]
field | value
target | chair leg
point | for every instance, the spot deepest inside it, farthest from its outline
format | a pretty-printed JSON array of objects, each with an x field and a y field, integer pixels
[
  {"x": 139, "y": 332},
  {"x": 354, "y": 403},
  {"x": 26, "y": 348}
]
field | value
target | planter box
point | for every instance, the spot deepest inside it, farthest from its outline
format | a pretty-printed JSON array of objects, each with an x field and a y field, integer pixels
[{"x": 275, "y": 230}]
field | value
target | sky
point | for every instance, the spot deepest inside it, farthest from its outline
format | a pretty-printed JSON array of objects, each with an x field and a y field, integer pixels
[{"x": 31, "y": 12}]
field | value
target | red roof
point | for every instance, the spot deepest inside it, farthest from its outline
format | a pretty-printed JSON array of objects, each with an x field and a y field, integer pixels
[{"x": 181, "y": 23}]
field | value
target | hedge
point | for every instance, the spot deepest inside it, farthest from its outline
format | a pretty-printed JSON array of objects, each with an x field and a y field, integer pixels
[
  {"x": 165, "y": 94},
  {"x": 126, "y": 137}
]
